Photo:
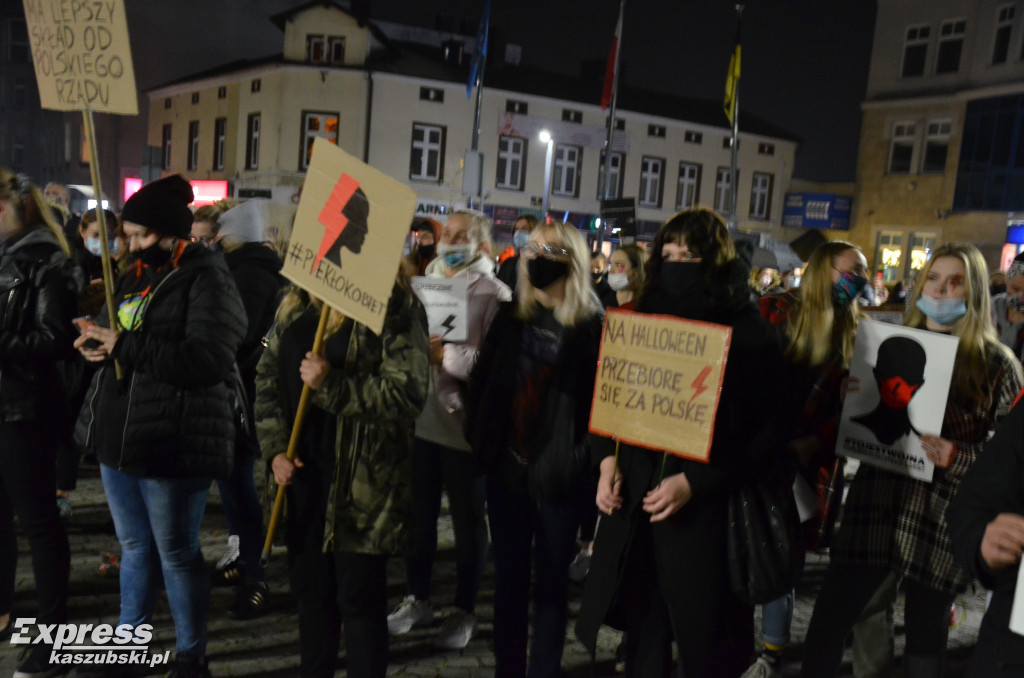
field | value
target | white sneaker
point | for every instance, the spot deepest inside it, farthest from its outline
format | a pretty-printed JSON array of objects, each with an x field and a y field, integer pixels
[
  {"x": 762, "y": 669},
  {"x": 409, "y": 613},
  {"x": 580, "y": 565},
  {"x": 456, "y": 630}
]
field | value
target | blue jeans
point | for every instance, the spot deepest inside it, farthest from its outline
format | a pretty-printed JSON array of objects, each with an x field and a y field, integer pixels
[
  {"x": 776, "y": 618},
  {"x": 157, "y": 522},
  {"x": 435, "y": 466},
  {"x": 244, "y": 514},
  {"x": 521, "y": 526}
]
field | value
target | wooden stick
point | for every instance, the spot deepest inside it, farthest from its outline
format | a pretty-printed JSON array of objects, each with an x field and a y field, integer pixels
[
  {"x": 101, "y": 220},
  {"x": 293, "y": 443}
]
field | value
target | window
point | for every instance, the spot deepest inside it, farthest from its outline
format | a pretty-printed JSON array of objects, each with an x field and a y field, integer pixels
[
  {"x": 723, "y": 190},
  {"x": 17, "y": 41},
  {"x": 426, "y": 162},
  {"x": 431, "y": 94},
  {"x": 316, "y": 126},
  {"x": 692, "y": 137},
  {"x": 651, "y": 184},
  {"x": 566, "y": 174},
  {"x": 888, "y": 255},
  {"x": 901, "y": 149},
  {"x": 222, "y": 92},
  {"x": 569, "y": 115},
  {"x": 193, "y": 144},
  {"x": 951, "y": 44},
  {"x": 167, "y": 102},
  {"x": 761, "y": 196},
  {"x": 254, "y": 86},
  {"x": 620, "y": 124},
  {"x": 688, "y": 189},
  {"x": 656, "y": 131},
  {"x": 83, "y": 146},
  {"x": 19, "y": 94},
  {"x": 766, "y": 149},
  {"x": 165, "y": 144},
  {"x": 511, "y": 163},
  {"x": 252, "y": 142},
  {"x": 195, "y": 97},
  {"x": 617, "y": 162},
  {"x": 727, "y": 142},
  {"x": 316, "y": 49},
  {"x": 1001, "y": 40},
  {"x": 936, "y": 145},
  {"x": 518, "y": 107},
  {"x": 915, "y": 51},
  {"x": 336, "y": 50},
  {"x": 219, "y": 133}
]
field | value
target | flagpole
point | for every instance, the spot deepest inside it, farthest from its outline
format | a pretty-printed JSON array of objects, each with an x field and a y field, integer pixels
[
  {"x": 733, "y": 169},
  {"x": 606, "y": 190},
  {"x": 479, "y": 84}
]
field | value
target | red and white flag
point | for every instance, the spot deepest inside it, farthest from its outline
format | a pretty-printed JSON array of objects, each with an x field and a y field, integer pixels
[{"x": 611, "y": 73}]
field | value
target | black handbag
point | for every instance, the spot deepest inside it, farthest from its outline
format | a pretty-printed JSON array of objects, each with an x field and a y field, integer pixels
[{"x": 763, "y": 541}]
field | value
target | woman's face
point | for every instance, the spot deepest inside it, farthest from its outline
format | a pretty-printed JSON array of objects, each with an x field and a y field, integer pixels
[
  {"x": 1015, "y": 286},
  {"x": 679, "y": 252},
  {"x": 620, "y": 263},
  {"x": 945, "y": 280},
  {"x": 849, "y": 261},
  {"x": 139, "y": 237}
]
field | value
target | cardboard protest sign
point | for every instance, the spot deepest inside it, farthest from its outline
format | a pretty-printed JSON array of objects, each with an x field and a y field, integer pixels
[
  {"x": 445, "y": 302},
  {"x": 885, "y": 314},
  {"x": 658, "y": 382},
  {"x": 904, "y": 376},
  {"x": 81, "y": 55},
  {"x": 349, "y": 229}
]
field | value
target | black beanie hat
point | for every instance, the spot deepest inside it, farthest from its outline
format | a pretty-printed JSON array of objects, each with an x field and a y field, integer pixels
[{"x": 162, "y": 206}]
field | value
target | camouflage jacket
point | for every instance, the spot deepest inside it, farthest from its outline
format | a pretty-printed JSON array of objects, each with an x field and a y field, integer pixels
[{"x": 376, "y": 399}]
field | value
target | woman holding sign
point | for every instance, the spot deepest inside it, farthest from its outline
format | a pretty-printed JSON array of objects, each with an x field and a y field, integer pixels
[
  {"x": 527, "y": 414},
  {"x": 660, "y": 566},
  {"x": 894, "y": 523}
]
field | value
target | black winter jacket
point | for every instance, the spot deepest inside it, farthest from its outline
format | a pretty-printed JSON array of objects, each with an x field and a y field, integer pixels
[
  {"x": 180, "y": 417},
  {"x": 38, "y": 298}
]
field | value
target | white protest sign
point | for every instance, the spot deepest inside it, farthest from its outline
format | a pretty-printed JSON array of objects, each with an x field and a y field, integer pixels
[
  {"x": 903, "y": 381},
  {"x": 1017, "y": 611},
  {"x": 82, "y": 56},
  {"x": 445, "y": 302}
]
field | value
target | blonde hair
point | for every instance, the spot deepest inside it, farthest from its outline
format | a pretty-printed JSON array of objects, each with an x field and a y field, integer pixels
[
  {"x": 978, "y": 338},
  {"x": 817, "y": 327},
  {"x": 479, "y": 225},
  {"x": 30, "y": 205},
  {"x": 580, "y": 301},
  {"x": 211, "y": 213}
]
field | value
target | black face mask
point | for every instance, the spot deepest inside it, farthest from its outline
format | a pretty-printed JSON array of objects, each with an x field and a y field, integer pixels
[
  {"x": 153, "y": 256},
  {"x": 681, "y": 278},
  {"x": 544, "y": 271},
  {"x": 426, "y": 251},
  {"x": 598, "y": 277}
]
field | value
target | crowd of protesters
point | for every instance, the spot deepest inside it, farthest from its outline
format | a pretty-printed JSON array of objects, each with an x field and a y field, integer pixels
[{"x": 202, "y": 374}]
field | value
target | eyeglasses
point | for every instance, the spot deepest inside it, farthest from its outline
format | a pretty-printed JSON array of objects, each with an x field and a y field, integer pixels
[{"x": 535, "y": 249}]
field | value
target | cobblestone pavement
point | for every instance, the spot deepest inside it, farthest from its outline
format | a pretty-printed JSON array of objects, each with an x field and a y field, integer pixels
[{"x": 268, "y": 647}]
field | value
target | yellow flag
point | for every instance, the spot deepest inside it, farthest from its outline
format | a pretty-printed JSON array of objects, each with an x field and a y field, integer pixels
[{"x": 731, "y": 83}]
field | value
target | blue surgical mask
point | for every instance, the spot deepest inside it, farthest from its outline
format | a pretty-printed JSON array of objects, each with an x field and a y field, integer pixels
[
  {"x": 942, "y": 311},
  {"x": 520, "y": 239},
  {"x": 95, "y": 247},
  {"x": 846, "y": 289},
  {"x": 456, "y": 256}
]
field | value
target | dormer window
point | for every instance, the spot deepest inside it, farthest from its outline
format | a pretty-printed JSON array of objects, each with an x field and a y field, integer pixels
[{"x": 325, "y": 49}]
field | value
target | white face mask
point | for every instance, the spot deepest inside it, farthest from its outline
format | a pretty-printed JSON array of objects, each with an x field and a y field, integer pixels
[
  {"x": 456, "y": 256},
  {"x": 618, "y": 281}
]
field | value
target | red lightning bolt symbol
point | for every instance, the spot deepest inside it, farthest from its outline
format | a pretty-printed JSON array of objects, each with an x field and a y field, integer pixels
[
  {"x": 331, "y": 215},
  {"x": 698, "y": 383}
]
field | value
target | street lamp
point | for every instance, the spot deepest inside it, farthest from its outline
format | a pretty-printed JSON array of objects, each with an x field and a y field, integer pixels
[{"x": 545, "y": 138}]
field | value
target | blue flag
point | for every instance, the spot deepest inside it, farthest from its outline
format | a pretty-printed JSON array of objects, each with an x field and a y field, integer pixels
[{"x": 480, "y": 49}]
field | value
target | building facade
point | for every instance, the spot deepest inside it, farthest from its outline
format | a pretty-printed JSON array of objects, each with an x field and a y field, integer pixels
[
  {"x": 403, "y": 109},
  {"x": 942, "y": 138}
]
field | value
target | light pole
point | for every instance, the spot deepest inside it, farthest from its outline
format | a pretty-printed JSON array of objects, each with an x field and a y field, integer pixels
[{"x": 545, "y": 138}]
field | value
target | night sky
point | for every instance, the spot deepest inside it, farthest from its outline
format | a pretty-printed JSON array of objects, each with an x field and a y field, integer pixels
[{"x": 805, "y": 62}]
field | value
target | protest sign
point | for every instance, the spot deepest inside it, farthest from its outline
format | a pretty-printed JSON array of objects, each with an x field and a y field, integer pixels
[
  {"x": 445, "y": 302},
  {"x": 81, "y": 55},
  {"x": 348, "y": 205},
  {"x": 658, "y": 382},
  {"x": 902, "y": 382},
  {"x": 885, "y": 314}
]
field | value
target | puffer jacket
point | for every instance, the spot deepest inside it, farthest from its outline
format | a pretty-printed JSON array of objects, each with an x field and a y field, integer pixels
[
  {"x": 38, "y": 298},
  {"x": 180, "y": 419},
  {"x": 375, "y": 399}
]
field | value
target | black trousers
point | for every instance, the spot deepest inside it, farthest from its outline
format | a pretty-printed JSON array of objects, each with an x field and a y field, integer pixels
[
  {"x": 332, "y": 588},
  {"x": 27, "y": 484}
]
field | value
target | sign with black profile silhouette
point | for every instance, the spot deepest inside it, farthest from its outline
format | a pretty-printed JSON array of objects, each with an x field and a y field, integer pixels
[
  {"x": 901, "y": 380},
  {"x": 346, "y": 243}
]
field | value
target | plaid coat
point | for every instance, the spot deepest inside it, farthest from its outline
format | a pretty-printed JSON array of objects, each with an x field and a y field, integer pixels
[{"x": 894, "y": 521}]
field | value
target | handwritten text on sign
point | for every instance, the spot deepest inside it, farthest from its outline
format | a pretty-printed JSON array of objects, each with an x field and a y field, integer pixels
[
  {"x": 658, "y": 382},
  {"x": 82, "y": 55}
]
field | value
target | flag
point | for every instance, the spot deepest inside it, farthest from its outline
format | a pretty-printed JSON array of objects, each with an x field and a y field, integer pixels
[
  {"x": 609, "y": 72},
  {"x": 732, "y": 81},
  {"x": 480, "y": 49}
]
